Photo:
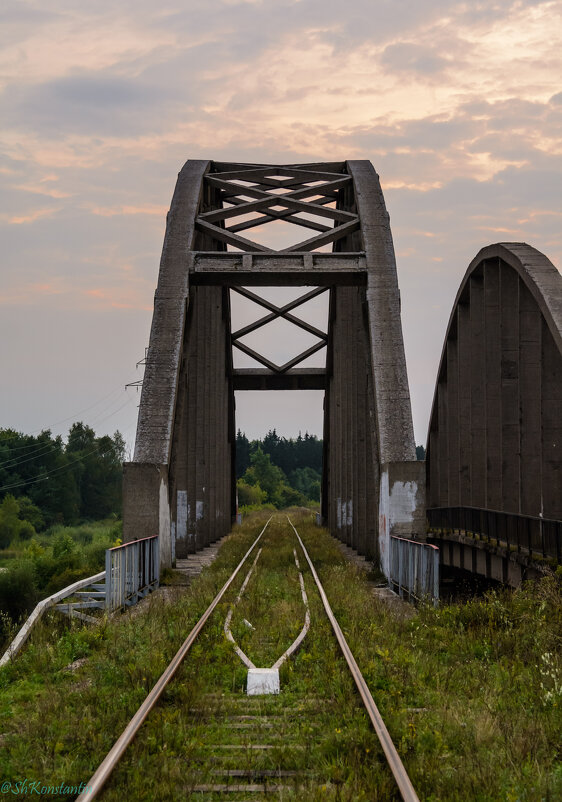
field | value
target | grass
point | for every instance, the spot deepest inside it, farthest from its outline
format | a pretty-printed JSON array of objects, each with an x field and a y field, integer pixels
[{"x": 471, "y": 693}]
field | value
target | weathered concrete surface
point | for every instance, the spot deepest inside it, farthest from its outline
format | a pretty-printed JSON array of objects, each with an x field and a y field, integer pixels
[
  {"x": 158, "y": 397},
  {"x": 368, "y": 396},
  {"x": 146, "y": 510},
  {"x": 388, "y": 361},
  {"x": 401, "y": 505},
  {"x": 495, "y": 435},
  {"x": 181, "y": 482}
]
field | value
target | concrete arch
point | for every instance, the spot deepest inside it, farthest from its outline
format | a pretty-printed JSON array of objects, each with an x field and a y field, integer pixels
[
  {"x": 181, "y": 482},
  {"x": 495, "y": 432}
]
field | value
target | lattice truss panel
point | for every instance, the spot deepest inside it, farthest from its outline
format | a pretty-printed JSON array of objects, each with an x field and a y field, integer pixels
[{"x": 246, "y": 197}]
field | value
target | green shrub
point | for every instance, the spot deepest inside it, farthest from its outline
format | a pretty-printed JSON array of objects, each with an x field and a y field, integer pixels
[
  {"x": 67, "y": 577},
  {"x": 26, "y": 530},
  {"x": 83, "y": 535},
  {"x": 63, "y": 545},
  {"x": 28, "y": 511},
  {"x": 95, "y": 556},
  {"x": 18, "y": 589}
]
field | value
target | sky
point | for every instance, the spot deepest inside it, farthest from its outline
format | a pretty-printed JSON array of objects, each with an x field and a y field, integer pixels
[{"x": 457, "y": 105}]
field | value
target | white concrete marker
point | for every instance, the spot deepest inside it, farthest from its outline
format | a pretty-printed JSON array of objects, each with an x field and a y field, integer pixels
[{"x": 262, "y": 681}]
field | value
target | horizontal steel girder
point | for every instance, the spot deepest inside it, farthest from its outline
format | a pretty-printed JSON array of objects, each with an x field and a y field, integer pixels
[
  {"x": 295, "y": 379},
  {"x": 277, "y": 269}
]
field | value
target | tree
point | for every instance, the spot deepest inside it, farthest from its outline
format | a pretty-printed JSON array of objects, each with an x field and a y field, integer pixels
[
  {"x": 9, "y": 520},
  {"x": 307, "y": 481},
  {"x": 249, "y": 495},
  {"x": 242, "y": 454},
  {"x": 28, "y": 511},
  {"x": 263, "y": 473}
]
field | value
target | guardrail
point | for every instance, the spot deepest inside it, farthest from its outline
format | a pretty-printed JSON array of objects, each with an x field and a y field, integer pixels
[
  {"x": 414, "y": 569},
  {"x": 45, "y": 604},
  {"x": 131, "y": 571},
  {"x": 526, "y": 533}
]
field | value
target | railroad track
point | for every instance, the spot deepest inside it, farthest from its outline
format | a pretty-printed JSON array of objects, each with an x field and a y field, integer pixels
[{"x": 273, "y": 746}]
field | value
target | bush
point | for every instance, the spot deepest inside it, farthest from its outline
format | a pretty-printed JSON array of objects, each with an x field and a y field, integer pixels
[
  {"x": 249, "y": 495},
  {"x": 63, "y": 545},
  {"x": 9, "y": 521},
  {"x": 83, "y": 535},
  {"x": 95, "y": 556},
  {"x": 26, "y": 530},
  {"x": 18, "y": 589},
  {"x": 67, "y": 577},
  {"x": 28, "y": 511}
]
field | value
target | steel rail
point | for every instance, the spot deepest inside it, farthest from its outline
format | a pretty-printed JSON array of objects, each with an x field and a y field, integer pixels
[
  {"x": 101, "y": 775},
  {"x": 393, "y": 758}
]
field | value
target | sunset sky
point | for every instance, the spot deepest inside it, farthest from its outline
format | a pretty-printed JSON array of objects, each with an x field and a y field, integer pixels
[{"x": 457, "y": 105}]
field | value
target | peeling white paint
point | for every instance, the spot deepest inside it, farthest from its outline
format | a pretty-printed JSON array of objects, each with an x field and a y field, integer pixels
[
  {"x": 182, "y": 513},
  {"x": 403, "y": 501},
  {"x": 199, "y": 510},
  {"x": 164, "y": 531},
  {"x": 384, "y": 525}
]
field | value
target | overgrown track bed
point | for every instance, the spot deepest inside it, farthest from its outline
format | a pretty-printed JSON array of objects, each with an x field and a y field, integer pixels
[
  {"x": 471, "y": 693},
  {"x": 313, "y": 741}
]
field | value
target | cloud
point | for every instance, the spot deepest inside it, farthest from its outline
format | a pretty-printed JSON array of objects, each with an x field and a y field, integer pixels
[
  {"x": 458, "y": 105},
  {"x": 410, "y": 57}
]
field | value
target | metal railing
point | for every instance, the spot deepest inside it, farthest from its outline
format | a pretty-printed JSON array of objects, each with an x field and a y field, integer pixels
[
  {"x": 521, "y": 533},
  {"x": 414, "y": 569},
  {"x": 46, "y": 604},
  {"x": 131, "y": 571}
]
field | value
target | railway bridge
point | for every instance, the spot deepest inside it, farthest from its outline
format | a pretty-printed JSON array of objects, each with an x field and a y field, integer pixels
[
  {"x": 494, "y": 467},
  {"x": 494, "y": 442}
]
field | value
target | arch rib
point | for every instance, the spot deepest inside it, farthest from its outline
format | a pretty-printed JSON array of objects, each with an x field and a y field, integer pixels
[{"x": 495, "y": 429}]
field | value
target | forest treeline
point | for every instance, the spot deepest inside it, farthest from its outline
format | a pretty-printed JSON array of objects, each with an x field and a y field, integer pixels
[
  {"x": 49, "y": 490},
  {"x": 62, "y": 483},
  {"x": 281, "y": 472},
  {"x": 278, "y": 471}
]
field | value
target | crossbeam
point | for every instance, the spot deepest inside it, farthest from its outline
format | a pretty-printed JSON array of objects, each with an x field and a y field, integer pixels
[
  {"x": 294, "y": 379},
  {"x": 275, "y": 269}
]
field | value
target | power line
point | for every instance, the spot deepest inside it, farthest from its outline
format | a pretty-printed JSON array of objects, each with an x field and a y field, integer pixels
[
  {"x": 42, "y": 448},
  {"x": 64, "y": 420},
  {"x": 61, "y": 468}
]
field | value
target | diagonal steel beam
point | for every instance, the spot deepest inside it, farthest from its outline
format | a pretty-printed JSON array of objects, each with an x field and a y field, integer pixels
[
  {"x": 271, "y": 365},
  {"x": 258, "y": 357},
  {"x": 257, "y": 299},
  {"x": 301, "y": 357},
  {"x": 231, "y": 239},
  {"x": 323, "y": 239},
  {"x": 284, "y": 312},
  {"x": 267, "y": 200},
  {"x": 254, "y": 192},
  {"x": 287, "y": 215}
]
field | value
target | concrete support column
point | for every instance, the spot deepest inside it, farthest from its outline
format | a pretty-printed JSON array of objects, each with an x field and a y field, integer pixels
[
  {"x": 530, "y": 401},
  {"x": 463, "y": 339},
  {"x": 142, "y": 517},
  {"x": 178, "y": 473},
  {"x": 442, "y": 402},
  {"x": 509, "y": 314},
  {"x": 551, "y": 404},
  {"x": 451, "y": 426},
  {"x": 493, "y": 385},
  {"x": 477, "y": 393},
  {"x": 402, "y": 505}
]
